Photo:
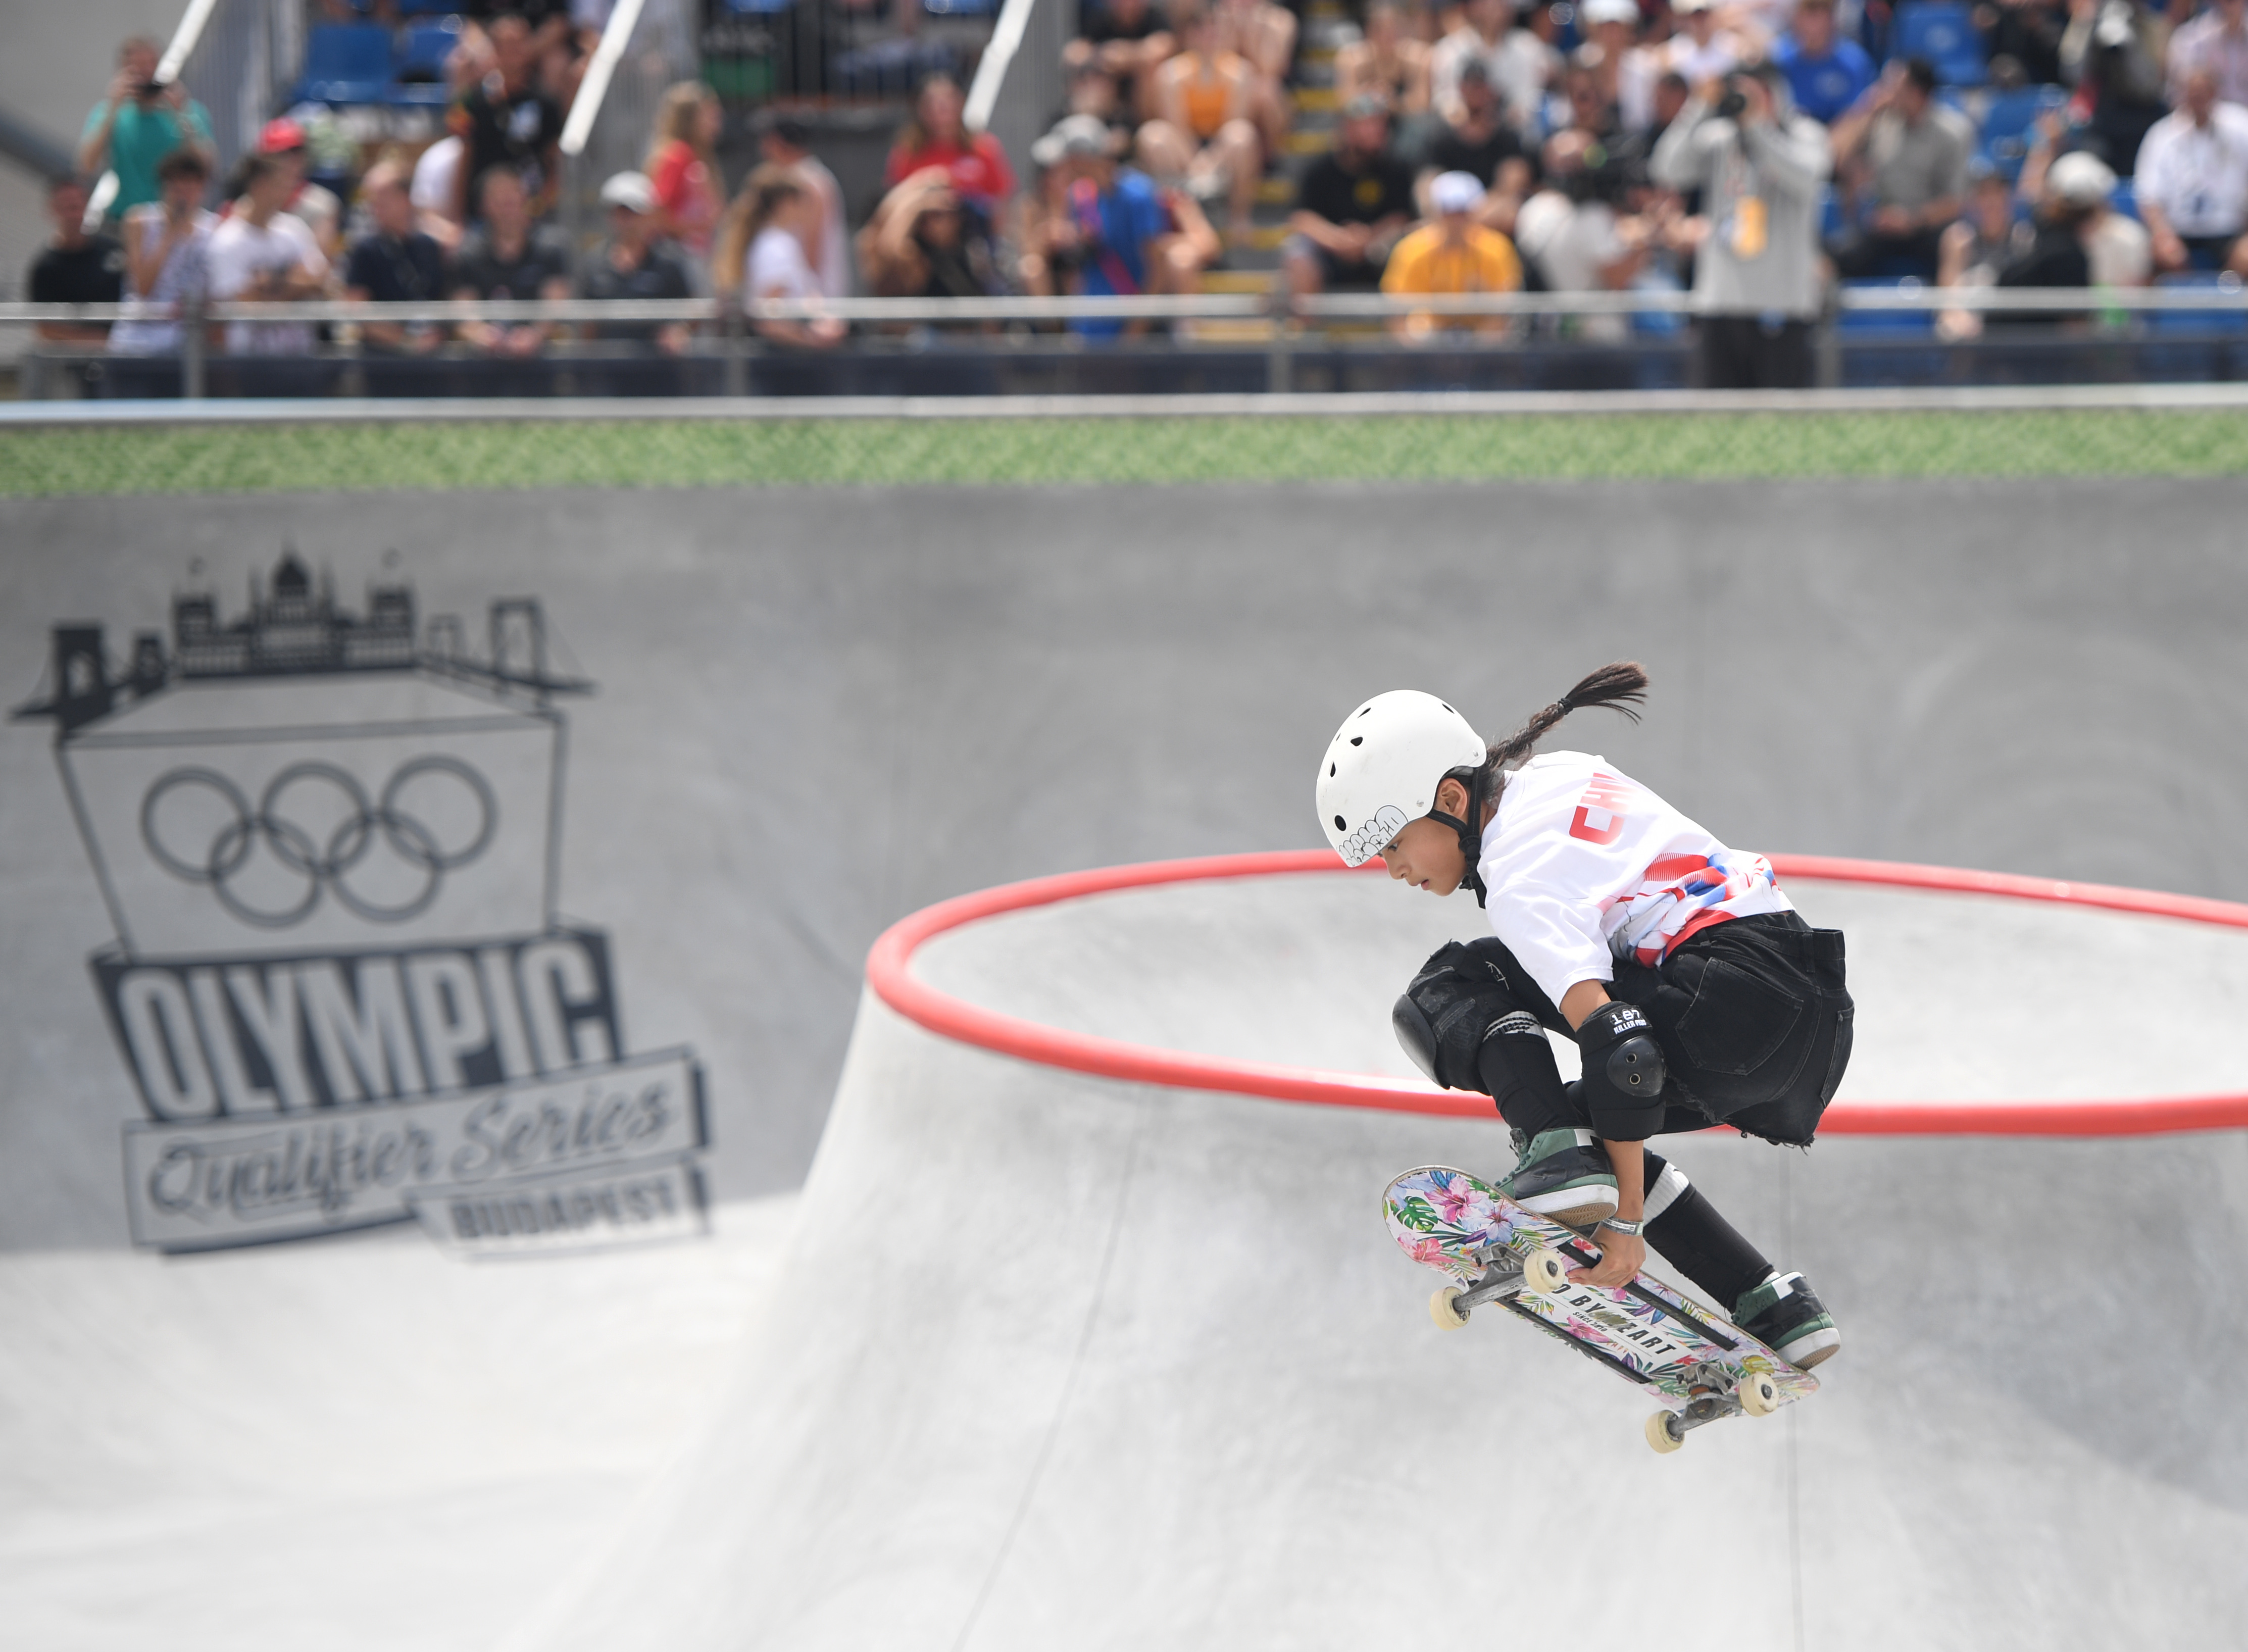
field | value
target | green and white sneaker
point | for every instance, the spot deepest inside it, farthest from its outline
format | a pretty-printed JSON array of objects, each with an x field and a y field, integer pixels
[
  {"x": 1561, "y": 1175},
  {"x": 1785, "y": 1315}
]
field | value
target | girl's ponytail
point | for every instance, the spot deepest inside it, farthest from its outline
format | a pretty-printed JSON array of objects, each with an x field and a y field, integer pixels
[{"x": 1620, "y": 687}]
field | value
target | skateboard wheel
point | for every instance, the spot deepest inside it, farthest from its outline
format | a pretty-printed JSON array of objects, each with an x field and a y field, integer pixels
[
  {"x": 1758, "y": 1395},
  {"x": 1447, "y": 1317},
  {"x": 1545, "y": 1272},
  {"x": 1663, "y": 1432}
]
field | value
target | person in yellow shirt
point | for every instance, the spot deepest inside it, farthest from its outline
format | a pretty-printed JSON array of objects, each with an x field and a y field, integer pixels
[{"x": 1451, "y": 253}]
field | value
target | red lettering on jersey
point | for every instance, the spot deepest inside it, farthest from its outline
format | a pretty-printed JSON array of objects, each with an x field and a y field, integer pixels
[{"x": 1601, "y": 811}]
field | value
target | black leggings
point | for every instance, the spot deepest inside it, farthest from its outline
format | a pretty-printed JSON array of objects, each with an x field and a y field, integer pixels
[
  {"x": 1754, "y": 1020},
  {"x": 1697, "y": 1239}
]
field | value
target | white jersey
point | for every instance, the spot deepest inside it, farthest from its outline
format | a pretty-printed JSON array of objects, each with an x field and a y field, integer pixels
[{"x": 1583, "y": 866}]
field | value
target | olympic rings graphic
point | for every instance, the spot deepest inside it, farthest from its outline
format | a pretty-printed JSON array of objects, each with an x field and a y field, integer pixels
[{"x": 321, "y": 866}]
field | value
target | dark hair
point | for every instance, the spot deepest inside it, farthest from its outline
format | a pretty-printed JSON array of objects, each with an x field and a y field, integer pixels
[
  {"x": 186, "y": 162},
  {"x": 1620, "y": 687},
  {"x": 1920, "y": 72}
]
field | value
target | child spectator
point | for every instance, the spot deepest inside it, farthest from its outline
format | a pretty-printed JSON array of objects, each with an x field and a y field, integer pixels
[
  {"x": 785, "y": 142},
  {"x": 137, "y": 124},
  {"x": 683, "y": 166},
  {"x": 260, "y": 253},
  {"x": 394, "y": 263},
  {"x": 1453, "y": 254},
  {"x": 2192, "y": 184},
  {"x": 762, "y": 254},
  {"x": 1518, "y": 62},
  {"x": 1201, "y": 138},
  {"x": 505, "y": 121},
  {"x": 1354, "y": 203},
  {"x": 1826, "y": 71},
  {"x": 510, "y": 256},
  {"x": 75, "y": 267},
  {"x": 1912, "y": 152},
  {"x": 635, "y": 262},
  {"x": 166, "y": 253},
  {"x": 935, "y": 137}
]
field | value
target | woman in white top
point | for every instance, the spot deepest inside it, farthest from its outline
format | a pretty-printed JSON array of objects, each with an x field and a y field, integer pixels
[
  {"x": 167, "y": 248},
  {"x": 764, "y": 253},
  {"x": 1695, "y": 993}
]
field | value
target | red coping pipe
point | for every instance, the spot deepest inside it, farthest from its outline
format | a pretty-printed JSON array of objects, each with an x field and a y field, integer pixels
[{"x": 889, "y": 971}]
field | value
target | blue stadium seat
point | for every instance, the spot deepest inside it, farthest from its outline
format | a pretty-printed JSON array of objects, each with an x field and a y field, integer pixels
[
  {"x": 420, "y": 68},
  {"x": 345, "y": 63},
  {"x": 2230, "y": 323},
  {"x": 960, "y": 8},
  {"x": 1885, "y": 324},
  {"x": 2010, "y": 125},
  {"x": 1830, "y": 213},
  {"x": 2125, "y": 200},
  {"x": 758, "y": 8},
  {"x": 1944, "y": 32}
]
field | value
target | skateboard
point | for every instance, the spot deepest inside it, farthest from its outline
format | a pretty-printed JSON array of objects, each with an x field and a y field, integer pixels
[{"x": 1698, "y": 1366}]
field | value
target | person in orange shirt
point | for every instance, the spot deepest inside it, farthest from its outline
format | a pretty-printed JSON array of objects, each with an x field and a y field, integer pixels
[
  {"x": 1202, "y": 137},
  {"x": 1451, "y": 253}
]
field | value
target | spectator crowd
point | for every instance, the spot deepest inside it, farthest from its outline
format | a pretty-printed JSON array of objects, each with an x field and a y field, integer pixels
[{"x": 1751, "y": 152}]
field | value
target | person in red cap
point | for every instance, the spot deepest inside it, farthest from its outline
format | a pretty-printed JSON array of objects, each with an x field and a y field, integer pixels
[{"x": 321, "y": 212}]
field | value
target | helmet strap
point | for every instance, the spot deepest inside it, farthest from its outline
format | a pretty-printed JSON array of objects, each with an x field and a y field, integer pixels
[{"x": 1470, "y": 836}]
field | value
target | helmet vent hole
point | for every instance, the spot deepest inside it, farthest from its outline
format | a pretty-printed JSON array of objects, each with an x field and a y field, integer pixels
[
  {"x": 1358, "y": 739},
  {"x": 1447, "y": 708},
  {"x": 1364, "y": 709},
  {"x": 1342, "y": 825},
  {"x": 1330, "y": 769}
]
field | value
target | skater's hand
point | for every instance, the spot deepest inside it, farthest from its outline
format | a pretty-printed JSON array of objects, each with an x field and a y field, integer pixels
[{"x": 1622, "y": 1254}]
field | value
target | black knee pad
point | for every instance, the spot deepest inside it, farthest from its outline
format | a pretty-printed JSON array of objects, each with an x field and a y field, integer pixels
[
  {"x": 1622, "y": 1085},
  {"x": 1458, "y": 1002}
]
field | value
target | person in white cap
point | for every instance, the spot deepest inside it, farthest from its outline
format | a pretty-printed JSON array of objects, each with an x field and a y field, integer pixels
[
  {"x": 1694, "y": 991},
  {"x": 1452, "y": 253},
  {"x": 636, "y": 263}
]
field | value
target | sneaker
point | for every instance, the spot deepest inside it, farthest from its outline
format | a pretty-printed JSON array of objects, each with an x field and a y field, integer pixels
[
  {"x": 1785, "y": 1315},
  {"x": 1562, "y": 1176}
]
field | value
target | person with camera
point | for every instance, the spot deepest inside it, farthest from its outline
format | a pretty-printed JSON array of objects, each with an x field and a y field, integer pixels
[
  {"x": 1760, "y": 167},
  {"x": 131, "y": 131}
]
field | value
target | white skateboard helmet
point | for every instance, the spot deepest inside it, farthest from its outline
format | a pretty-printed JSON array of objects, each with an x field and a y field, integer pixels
[{"x": 1381, "y": 770}]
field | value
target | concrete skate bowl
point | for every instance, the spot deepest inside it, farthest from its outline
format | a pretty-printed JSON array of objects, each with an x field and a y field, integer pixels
[{"x": 1091, "y": 1335}]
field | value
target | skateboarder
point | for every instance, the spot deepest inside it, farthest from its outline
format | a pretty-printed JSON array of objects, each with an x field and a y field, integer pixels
[{"x": 1694, "y": 993}]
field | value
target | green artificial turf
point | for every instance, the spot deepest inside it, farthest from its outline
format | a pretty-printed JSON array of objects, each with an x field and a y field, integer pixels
[{"x": 382, "y": 456}]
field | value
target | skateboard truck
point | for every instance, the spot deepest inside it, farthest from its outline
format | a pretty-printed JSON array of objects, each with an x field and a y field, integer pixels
[{"x": 1502, "y": 1277}]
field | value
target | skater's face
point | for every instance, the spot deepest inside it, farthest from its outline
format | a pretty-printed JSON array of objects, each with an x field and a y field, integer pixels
[{"x": 1426, "y": 854}]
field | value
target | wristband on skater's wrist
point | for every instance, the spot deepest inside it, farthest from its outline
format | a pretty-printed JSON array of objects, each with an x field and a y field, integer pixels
[{"x": 1617, "y": 1225}]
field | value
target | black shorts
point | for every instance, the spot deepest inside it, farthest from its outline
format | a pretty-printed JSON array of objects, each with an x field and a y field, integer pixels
[{"x": 1754, "y": 1016}]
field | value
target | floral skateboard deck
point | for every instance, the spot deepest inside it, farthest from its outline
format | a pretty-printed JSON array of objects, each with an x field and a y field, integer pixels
[{"x": 1698, "y": 1366}]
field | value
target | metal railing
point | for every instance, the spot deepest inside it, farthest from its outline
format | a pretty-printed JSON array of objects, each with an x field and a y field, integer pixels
[
  {"x": 239, "y": 58},
  {"x": 1019, "y": 81},
  {"x": 646, "y": 45},
  {"x": 726, "y": 330}
]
